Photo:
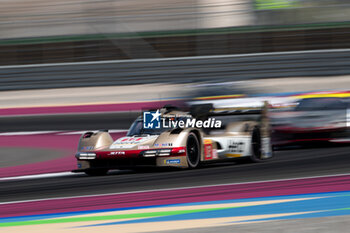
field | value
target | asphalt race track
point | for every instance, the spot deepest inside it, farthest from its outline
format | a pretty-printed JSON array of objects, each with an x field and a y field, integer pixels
[
  {"x": 287, "y": 164},
  {"x": 31, "y": 197}
]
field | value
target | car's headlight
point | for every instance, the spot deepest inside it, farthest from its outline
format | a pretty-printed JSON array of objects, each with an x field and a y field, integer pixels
[
  {"x": 150, "y": 153},
  {"x": 86, "y": 156},
  {"x": 164, "y": 152}
]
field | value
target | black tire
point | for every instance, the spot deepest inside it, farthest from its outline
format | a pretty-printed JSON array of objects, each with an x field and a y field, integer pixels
[
  {"x": 96, "y": 172},
  {"x": 193, "y": 151},
  {"x": 256, "y": 156}
]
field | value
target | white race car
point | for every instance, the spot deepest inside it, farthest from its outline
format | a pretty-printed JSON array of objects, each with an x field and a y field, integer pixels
[{"x": 180, "y": 141}]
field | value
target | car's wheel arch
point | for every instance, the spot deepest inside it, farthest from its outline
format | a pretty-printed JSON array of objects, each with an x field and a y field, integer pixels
[{"x": 91, "y": 140}]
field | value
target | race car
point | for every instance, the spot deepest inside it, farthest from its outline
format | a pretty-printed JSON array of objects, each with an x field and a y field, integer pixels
[
  {"x": 312, "y": 121},
  {"x": 182, "y": 139}
]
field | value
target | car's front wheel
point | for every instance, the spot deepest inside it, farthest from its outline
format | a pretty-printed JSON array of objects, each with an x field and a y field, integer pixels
[{"x": 193, "y": 151}]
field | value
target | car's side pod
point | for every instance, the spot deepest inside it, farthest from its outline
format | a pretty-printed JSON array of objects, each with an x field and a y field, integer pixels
[{"x": 92, "y": 141}]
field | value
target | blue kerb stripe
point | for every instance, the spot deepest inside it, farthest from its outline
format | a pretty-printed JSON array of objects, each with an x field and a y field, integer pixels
[
  {"x": 74, "y": 213},
  {"x": 323, "y": 204}
]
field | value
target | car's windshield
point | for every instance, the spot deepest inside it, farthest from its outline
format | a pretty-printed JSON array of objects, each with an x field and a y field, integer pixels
[{"x": 137, "y": 129}]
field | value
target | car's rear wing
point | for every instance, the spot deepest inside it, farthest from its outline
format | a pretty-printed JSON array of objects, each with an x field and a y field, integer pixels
[
  {"x": 204, "y": 111},
  {"x": 208, "y": 110}
]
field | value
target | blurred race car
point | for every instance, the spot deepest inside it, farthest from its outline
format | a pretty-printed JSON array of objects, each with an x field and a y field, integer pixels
[
  {"x": 312, "y": 120},
  {"x": 241, "y": 133},
  {"x": 235, "y": 95}
]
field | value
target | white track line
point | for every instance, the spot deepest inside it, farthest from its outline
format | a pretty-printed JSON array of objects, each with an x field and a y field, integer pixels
[
  {"x": 170, "y": 189},
  {"x": 172, "y": 59},
  {"x": 38, "y": 176},
  {"x": 95, "y": 131},
  {"x": 27, "y": 133},
  {"x": 62, "y": 132}
]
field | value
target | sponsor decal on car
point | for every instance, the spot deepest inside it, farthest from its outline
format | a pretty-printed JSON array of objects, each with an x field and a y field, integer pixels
[
  {"x": 163, "y": 144},
  {"x": 172, "y": 161},
  {"x": 129, "y": 142},
  {"x": 167, "y": 144},
  {"x": 233, "y": 155},
  {"x": 266, "y": 151},
  {"x": 83, "y": 165},
  {"x": 117, "y": 153},
  {"x": 144, "y": 147},
  {"x": 215, "y": 154},
  {"x": 236, "y": 147},
  {"x": 208, "y": 149},
  {"x": 86, "y": 148}
]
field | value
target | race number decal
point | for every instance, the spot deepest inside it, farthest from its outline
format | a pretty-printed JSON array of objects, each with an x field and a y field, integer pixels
[{"x": 208, "y": 151}]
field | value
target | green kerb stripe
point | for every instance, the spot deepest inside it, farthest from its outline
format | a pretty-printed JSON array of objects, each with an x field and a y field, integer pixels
[{"x": 109, "y": 217}]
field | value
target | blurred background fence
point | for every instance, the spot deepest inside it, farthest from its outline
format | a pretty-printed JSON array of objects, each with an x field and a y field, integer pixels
[
  {"x": 40, "y": 31},
  {"x": 36, "y": 18},
  {"x": 177, "y": 70}
]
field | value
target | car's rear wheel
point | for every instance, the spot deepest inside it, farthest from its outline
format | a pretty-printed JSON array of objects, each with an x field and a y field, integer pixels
[
  {"x": 257, "y": 155},
  {"x": 193, "y": 151},
  {"x": 96, "y": 172}
]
